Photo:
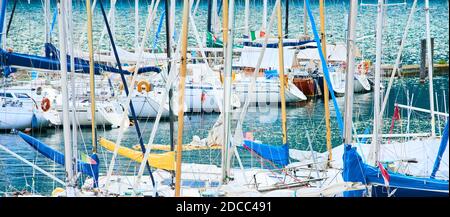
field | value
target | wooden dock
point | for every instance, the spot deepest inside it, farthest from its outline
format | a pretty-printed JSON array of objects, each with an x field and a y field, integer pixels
[{"x": 414, "y": 70}]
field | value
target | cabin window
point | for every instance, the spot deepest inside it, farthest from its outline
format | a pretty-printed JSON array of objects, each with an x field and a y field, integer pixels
[
  {"x": 22, "y": 95},
  {"x": 9, "y": 95}
]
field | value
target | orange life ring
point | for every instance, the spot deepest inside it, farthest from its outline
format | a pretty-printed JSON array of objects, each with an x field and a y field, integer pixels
[
  {"x": 143, "y": 84},
  {"x": 45, "y": 104},
  {"x": 366, "y": 66}
]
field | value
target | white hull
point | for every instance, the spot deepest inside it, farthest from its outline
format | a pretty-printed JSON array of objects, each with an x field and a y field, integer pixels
[
  {"x": 361, "y": 84},
  {"x": 338, "y": 82},
  {"x": 15, "y": 118},
  {"x": 202, "y": 98},
  {"x": 106, "y": 114},
  {"x": 268, "y": 91}
]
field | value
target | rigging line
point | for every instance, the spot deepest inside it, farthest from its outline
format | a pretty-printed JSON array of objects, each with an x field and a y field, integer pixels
[
  {"x": 11, "y": 18},
  {"x": 53, "y": 22},
  {"x": 255, "y": 72},
  {"x": 133, "y": 113},
  {"x": 128, "y": 100},
  {"x": 325, "y": 68}
]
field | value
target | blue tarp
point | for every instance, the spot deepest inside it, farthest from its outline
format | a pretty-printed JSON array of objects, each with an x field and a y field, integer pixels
[
  {"x": 85, "y": 168},
  {"x": 357, "y": 171},
  {"x": 271, "y": 74},
  {"x": 277, "y": 154}
]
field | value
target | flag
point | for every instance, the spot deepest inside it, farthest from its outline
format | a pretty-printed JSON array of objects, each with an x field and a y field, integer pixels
[
  {"x": 85, "y": 158},
  {"x": 385, "y": 174},
  {"x": 395, "y": 117},
  {"x": 252, "y": 35},
  {"x": 396, "y": 114},
  {"x": 262, "y": 34},
  {"x": 203, "y": 96}
]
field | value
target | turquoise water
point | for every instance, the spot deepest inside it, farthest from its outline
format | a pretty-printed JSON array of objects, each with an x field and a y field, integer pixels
[
  {"x": 27, "y": 32},
  {"x": 265, "y": 125},
  {"x": 26, "y": 35}
]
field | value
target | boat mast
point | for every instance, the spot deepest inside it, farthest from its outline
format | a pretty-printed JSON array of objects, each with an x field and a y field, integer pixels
[
  {"x": 305, "y": 19},
  {"x": 112, "y": 20},
  {"x": 91, "y": 74},
  {"x": 173, "y": 5},
  {"x": 3, "y": 6},
  {"x": 228, "y": 34},
  {"x": 430, "y": 66},
  {"x": 376, "y": 140},
  {"x": 65, "y": 99},
  {"x": 399, "y": 56},
  {"x": 326, "y": 95},
  {"x": 169, "y": 57},
  {"x": 184, "y": 44},
  {"x": 72, "y": 84},
  {"x": 286, "y": 22},
  {"x": 264, "y": 16},
  {"x": 136, "y": 25},
  {"x": 246, "y": 17},
  {"x": 351, "y": 48},
  {"x": 208, "y": 21},
  {"x": 47, "y": 20},
  {"x": 281, "y": 72}
]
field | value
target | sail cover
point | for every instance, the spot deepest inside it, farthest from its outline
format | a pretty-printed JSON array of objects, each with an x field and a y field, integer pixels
[
  {"x": 164, "y": 161},
  {"x": 357, "y": 171},
  {"x": 90, "y": 169},
  {"x": 277, "y": 154}
]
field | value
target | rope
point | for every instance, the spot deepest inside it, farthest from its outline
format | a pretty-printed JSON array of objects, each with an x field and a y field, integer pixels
[{"x": 271, "y": 163}]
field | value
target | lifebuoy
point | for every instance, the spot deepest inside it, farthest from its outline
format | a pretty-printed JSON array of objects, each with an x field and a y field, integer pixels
[
  {"x": 366, "y": 66},
  {"x": 45, "y": 104},
  {"x": 143, "y": 84}
]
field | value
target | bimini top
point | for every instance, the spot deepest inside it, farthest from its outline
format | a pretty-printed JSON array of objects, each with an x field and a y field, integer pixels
[{"x": 355, "y": 170}]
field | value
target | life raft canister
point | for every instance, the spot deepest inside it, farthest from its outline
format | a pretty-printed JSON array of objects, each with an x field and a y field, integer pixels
[
  {"x": 45, "y": 104},
  {"x": 143, "y": 84}
]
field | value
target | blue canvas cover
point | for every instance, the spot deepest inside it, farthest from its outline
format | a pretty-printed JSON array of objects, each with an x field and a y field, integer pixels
[
  {"x": 269, "y": 74},
  {"x": 277, "y": 154},
  {"x": 355, "y": 170},
  {"x": 85, "y": 168}
]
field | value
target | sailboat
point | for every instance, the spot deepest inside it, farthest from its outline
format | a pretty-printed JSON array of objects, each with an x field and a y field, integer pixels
[{"x": 378, "y": 180}]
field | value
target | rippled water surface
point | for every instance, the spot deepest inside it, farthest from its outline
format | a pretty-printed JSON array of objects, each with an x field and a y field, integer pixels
[{"x": 27, "y": 35}]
